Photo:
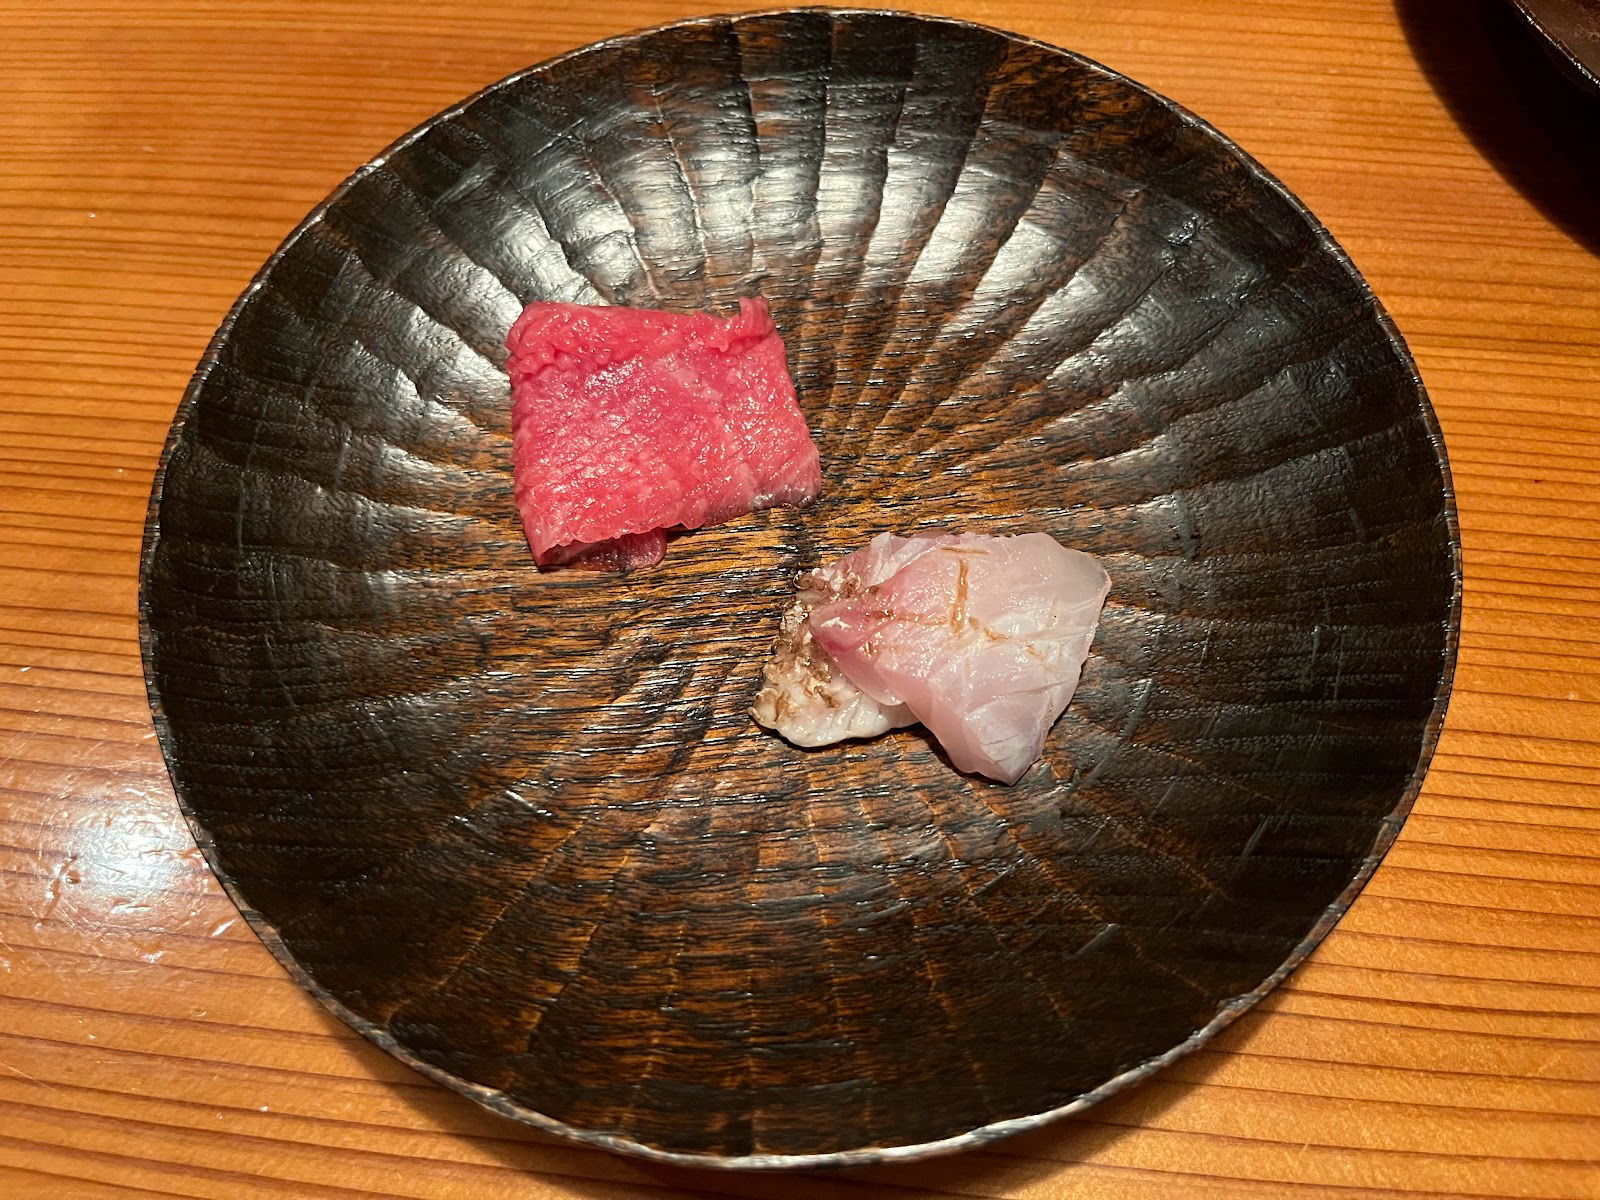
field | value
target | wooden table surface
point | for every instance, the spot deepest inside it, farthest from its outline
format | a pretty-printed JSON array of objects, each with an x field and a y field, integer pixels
[{"x": 1444, "y": 1041}]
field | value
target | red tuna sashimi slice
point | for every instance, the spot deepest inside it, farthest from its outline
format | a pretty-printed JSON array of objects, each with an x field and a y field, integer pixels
[
  {"x": 628, "y": 422},
  {"x": 981, "y": 638}
]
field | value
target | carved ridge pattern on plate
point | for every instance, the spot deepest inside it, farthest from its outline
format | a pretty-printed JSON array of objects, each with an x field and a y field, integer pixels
[{"x": 517, "y": 828}]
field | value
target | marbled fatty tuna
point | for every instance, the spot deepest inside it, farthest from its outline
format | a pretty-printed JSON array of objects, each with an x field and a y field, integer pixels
[{"x": 630, "y": 422}]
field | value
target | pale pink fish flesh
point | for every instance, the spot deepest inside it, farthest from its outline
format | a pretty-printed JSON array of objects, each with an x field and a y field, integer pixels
[
  {"x": 981, "y": 639},
  {"x": 804, "y": 696}
]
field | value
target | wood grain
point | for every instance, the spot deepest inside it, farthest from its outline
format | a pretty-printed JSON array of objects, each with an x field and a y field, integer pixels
[{"x": 1442, "y": 1042}]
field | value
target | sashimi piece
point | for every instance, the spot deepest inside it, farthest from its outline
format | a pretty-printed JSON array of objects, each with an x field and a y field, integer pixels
[
  {"x": 981, "y": 639},
  {"x": 628, "y": 422},
  {"x": 618, "y": 554},
  {"x": 803, "y": 695}
]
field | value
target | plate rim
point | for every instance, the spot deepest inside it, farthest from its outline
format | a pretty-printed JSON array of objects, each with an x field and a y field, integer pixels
[
  {"x": 496, "y": 1100},
  {"x": 1579, "y": 71}
]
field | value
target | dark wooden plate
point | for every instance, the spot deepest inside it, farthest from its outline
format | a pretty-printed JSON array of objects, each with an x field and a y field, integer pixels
[
  {"x": 517, "y": 827},
  {"x": 1570, "y": 32}
]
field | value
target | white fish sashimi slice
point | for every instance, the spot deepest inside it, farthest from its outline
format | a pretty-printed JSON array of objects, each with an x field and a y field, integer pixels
[
  {"x": 804, "y": 697},
  {"x": 980, "y": 638}
]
